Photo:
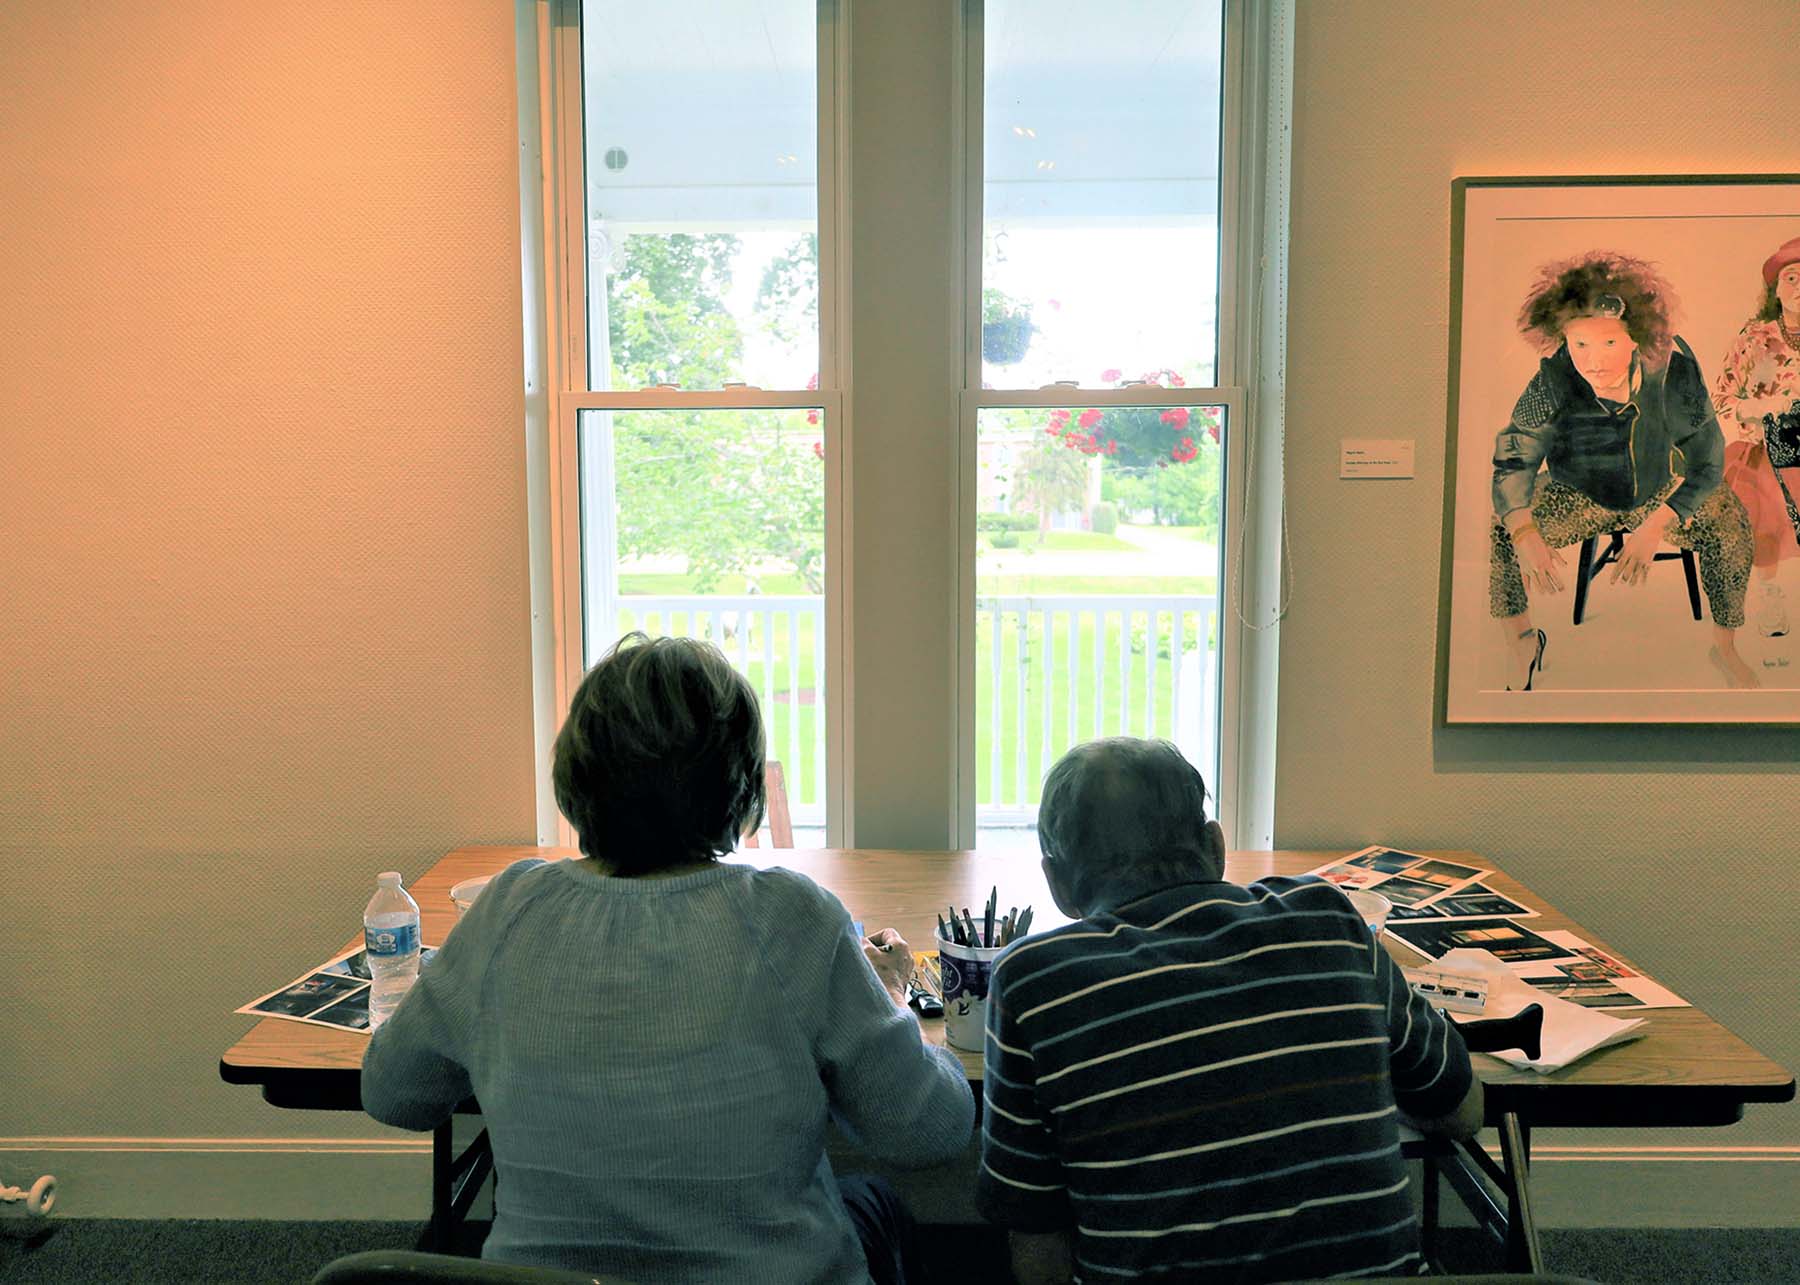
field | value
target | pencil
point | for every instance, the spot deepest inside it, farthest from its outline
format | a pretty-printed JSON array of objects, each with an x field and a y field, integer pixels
[
  {"x": 969, "y": 926},
  {"x": 987, "y": 920},
  {"x": 1024, "y": 922},
  {"x": 943, "y": 932}
]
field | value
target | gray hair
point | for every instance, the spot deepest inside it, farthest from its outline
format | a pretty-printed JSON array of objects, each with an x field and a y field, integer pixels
[
  {"x": 1124, "y": 810},
  {"x": 660, "y": 762}
]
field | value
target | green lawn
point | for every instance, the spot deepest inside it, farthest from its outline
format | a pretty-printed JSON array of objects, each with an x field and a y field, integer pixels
[
  {"x": 790, "y": 707},
  {"x": 1185, "y": 532},
  {"x": 1063, "y": 542}
]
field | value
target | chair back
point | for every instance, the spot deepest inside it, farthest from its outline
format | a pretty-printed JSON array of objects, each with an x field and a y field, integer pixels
[
  {"x": 1479, "y": 1278},
  {"x": 780, "y": 821},
  {"x": 407, "y": 1267}
]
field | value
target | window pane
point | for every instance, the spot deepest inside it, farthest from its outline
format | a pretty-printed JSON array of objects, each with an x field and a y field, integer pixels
[
  {"x": 701, "y": 144},
  {"x": 1100, "y": 247},
  {"x": 711, "y": 524},
  {"x": 1098, "y": 568}
]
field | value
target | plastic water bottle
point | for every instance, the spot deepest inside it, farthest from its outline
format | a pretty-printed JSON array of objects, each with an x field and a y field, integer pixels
[{"x": 391, "y": 937}]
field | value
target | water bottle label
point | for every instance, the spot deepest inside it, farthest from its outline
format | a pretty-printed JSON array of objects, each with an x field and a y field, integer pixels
[{"x": 401, "y": 939}]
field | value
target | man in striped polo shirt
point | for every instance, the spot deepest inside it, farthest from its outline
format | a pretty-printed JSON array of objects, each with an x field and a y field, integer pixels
[{"x": 1200, "y": 1080}]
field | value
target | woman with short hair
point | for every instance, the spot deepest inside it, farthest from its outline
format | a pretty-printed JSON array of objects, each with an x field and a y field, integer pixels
[
  {"x": 1620, "y": 413},
  {"x": 657, "y": 1037}
]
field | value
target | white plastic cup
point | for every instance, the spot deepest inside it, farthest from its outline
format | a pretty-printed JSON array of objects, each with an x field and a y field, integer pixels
[
  {"x": 464, "y": 893},
  {"x": 1372, "y": 906},
  {"x": 964, "y": 972}
]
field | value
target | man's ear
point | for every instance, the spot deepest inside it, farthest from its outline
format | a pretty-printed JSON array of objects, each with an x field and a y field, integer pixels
[
  {"x": 1059, "y": 888},
  {"x": 1213, "y": 841}
]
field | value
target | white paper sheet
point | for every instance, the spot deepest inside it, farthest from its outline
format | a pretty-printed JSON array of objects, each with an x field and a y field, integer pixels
[{"x": 1571, "y": 1032}]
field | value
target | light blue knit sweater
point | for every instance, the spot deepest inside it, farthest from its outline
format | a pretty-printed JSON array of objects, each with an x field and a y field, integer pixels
[{"x": 656, "y": 1059}]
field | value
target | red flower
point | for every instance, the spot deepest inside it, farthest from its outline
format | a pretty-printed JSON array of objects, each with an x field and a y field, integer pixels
[
  {"x": 1053, "y": 428},
  {"x": 812, "y": 417},
  {"x": 1088, "y": 418},
  {"x": 1184, "y": 450},
  {"x": 1110, "y": 374},
  {"x": 1176, "y": 381},
  {"x": 813, "y": 383},
  {"x": 1112, "y": 446},
  {"x": 819, "y": 449},
  {"x": 1059, "y": 416},
  {"x": 1175, "y": 417},
  {"x": 1212, "y": 431}
]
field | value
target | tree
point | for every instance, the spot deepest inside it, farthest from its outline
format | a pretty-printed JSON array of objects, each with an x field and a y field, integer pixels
[
  {"x": 788, "y": 295},
  {"x": 1165, "y": 459},
  {"x": 726, "y": 490},
  {"x": 1050, "y": 480}
]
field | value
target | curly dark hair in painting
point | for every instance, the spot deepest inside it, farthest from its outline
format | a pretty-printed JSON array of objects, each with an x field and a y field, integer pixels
[
  {"x": 1572, "y": 288},
  {"x": 1771, "y": 306}
]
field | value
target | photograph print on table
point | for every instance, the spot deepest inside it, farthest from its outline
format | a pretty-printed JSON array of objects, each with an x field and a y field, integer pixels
[
  {"x": 1502, "y": 938},
  {"x": 305, "y": 997},
  {"x": 1387, "y": 861},
  {"x": 1478, "y": 901},
  {"x": 1403, "y": 890},
  {"x": 1623, "y": 450},
  {"x": 1588, "y": 992}
]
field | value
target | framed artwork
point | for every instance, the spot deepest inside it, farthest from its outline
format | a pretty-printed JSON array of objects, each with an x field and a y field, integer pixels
[{"x": 1621, "y": 538}]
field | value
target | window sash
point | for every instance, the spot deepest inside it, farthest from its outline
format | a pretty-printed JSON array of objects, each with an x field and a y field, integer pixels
[
  {"x": 559, "y": 62},
  {"x": 1229, "y": 392}
]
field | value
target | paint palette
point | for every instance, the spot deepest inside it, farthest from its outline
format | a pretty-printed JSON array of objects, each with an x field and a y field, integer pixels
[{"x": 1458, "y": 992}]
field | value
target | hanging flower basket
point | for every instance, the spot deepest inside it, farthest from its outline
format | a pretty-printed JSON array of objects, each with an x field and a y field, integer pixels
[{"x": 1007, "y": 338}]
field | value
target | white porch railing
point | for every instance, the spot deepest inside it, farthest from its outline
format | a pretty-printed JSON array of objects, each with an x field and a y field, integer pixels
[{"x": 1060, "y": 670}]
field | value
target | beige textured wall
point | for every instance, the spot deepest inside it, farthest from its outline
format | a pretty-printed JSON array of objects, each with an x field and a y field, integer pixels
[
  {"x": 263, "y": 601},
  {"x": 1677, "y": 844}
]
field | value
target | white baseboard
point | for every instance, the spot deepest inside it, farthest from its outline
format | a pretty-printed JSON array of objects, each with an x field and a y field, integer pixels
[
  {"x": 293, "y": 1178},
  {"x": 389, "y": 1178},
  {"x": 1651, "y": 1186}
]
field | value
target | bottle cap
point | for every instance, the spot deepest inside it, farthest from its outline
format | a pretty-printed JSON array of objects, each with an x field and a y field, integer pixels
[{"x": 388, "y": 879}]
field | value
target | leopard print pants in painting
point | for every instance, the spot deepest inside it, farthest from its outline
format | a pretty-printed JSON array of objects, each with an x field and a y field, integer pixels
[{"x": 1718, "y": 533}]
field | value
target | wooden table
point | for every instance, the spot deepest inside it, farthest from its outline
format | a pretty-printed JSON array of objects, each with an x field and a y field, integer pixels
[{"x": 1687, "y": 1070}]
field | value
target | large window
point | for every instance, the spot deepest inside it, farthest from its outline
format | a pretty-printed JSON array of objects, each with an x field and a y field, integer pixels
[
  {"x": 1101, "y": 437},
  {"x": 698, "y": 224}
]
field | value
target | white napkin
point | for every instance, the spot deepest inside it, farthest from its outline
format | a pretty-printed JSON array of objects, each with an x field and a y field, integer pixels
[{"x": 1571, "y": 1032}]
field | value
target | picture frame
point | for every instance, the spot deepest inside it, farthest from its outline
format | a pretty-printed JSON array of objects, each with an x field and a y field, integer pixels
[{"x": 1644, "y": 652}]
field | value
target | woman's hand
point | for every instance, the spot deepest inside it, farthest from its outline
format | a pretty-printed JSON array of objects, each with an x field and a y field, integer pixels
[
  {"x": 1633, "y": 566},
  {"x": 891, "y": 958},
  {"x": 1539, "y": 564}
]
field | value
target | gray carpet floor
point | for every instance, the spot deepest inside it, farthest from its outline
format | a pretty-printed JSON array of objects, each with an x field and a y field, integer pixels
[{"x": 281, "y": 1253}]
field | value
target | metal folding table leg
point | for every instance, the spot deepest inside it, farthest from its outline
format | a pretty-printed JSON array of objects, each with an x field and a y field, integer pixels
[
  {"x": 1522, "y": 1252},
  {"x": 455, "y": 1182}
]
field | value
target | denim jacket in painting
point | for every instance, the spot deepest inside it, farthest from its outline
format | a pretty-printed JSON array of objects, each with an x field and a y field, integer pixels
[{"x": 1617, "y": 455}]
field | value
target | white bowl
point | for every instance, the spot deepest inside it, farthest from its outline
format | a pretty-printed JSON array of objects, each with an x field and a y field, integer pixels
[{"x": 464, "y": 893}]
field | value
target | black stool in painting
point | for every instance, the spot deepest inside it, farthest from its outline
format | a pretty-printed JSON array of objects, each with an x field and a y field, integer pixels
[{"x": 1587, "y": 566}]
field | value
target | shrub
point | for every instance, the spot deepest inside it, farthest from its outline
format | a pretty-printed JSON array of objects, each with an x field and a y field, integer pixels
[
  {"x": 1104, "y": 520},
  {"x": 1005, "y": 522},
  {"x": 1004, "y": 539}
]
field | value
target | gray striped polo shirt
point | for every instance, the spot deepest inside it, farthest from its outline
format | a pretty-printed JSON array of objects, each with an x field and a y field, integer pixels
[{"x": 1205, "y": 1081}]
